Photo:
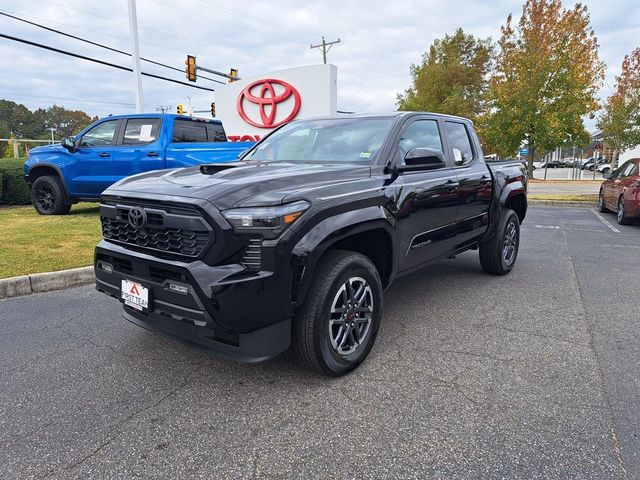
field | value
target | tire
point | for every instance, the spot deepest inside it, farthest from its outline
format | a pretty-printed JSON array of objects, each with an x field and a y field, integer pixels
[
  {"x": 601, "y": 205},
  {"x": 621, "y": 214},
  {"x": 325, "y": 341},
  {"x": 498, "y": 255},
  {"x": 47, "y": 196}
]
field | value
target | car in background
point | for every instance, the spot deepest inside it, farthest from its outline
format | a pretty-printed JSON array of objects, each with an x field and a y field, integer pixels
[
  {"x": 115, "y": 147},
  {"x": 552, "y": 164},
  {"x": 592, "y": 163},
  {"x": 620, "y": 192},
  {"x": 604, "y": 168}
]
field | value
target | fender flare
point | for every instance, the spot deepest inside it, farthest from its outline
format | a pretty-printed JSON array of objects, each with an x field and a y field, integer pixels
[
  {"x": 498, "y": 205},
  {"x": 39, "y": 165},
  {"x": 315, "y": 242}
]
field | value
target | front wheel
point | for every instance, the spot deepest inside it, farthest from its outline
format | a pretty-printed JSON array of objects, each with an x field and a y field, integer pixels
[
  {"x": 47, "y": 196},
  {"x": 498, "y": 255},
  {"x": 622, "y": 212},
  {"x": 338, "y": 324}
]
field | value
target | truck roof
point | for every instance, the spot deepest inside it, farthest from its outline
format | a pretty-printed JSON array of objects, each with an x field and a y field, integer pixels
[
  {"x": 399, "y": 114},
  {"x": 165, "y": 115}
]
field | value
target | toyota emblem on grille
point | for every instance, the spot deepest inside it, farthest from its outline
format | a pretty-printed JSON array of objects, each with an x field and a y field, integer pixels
[{"x": 137, "y": 217}]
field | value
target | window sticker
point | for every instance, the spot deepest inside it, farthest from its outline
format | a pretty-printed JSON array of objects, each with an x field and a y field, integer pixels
[
  {"x": 457, "y": 154},
  {"x": 145, "y": 133},
  {"x": 365, "y": 154}
]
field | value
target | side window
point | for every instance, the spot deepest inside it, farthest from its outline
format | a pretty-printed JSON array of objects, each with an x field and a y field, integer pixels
[
  {"x": 420, "y": 134},
  {"x": 100, "y": 135},
  {"x": 629, "y": 171},
  {"x": 188, "y": 131},
  {"x": 215, "y": 133},
  {"x": 141, "y": 130},
  {"x": 460, "y": 143}
]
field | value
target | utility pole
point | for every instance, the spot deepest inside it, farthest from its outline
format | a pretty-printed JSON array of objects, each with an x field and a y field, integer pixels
[
  {"x": 325, "y": 47},
  {"x": 135, "y": 53}
]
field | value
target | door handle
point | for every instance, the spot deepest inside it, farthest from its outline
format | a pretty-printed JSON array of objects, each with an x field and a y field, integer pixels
[
  {"x": 152, "y": 154},
  {"x": 485, "y": 180},
  {"x": 451, "y": 186},
  {"x": 104, "y": 154}
]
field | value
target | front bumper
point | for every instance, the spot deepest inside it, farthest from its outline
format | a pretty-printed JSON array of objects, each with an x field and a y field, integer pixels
[{"x": 241, "y": 315}]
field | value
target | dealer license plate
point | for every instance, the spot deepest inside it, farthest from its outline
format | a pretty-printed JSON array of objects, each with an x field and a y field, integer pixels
[{"x": 135, "y": 295}]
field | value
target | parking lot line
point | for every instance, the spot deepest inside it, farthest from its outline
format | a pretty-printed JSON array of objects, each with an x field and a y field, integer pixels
[{"x": 603, "y": 220}]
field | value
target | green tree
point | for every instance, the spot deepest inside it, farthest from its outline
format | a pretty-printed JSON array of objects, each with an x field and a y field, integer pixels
[
  {"x": 547, "y": 76},
  {"x": 66, "y": 122},
  {"x": 19, "y": 120},
  {"x": 620, "y": 119},
  {"x": 452, "y": 77}
]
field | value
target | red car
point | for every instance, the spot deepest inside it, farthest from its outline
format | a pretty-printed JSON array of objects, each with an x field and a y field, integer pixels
[{"x": 620, "y": 192}]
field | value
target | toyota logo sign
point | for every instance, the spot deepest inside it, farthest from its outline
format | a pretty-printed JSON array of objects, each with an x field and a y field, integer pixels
[
  {"x": 137, "y": 217},
  {"x": 268, "y": 94}
]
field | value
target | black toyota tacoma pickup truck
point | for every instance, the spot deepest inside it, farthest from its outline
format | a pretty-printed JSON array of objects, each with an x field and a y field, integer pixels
[{"x": 294, "y": 244}]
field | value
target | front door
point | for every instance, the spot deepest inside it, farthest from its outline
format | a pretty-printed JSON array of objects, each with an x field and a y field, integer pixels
[
  {"x": 427, "y": 199},
  {"x": 91, "y": 170}
]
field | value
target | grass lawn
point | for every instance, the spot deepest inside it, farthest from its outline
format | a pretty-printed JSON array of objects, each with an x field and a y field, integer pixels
[
  {"x": 590, "y": 197},
  {"x": 32, "y": 243}
]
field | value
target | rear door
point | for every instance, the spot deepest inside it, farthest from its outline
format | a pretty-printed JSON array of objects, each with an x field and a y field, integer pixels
[
  {"x": 428, "y": 199},
  {"x": 474, "y": 177},
  {"x": 91, "y": 171},
  {"x": 612, "y": 188},
  {"x": 139, "y": 147}
]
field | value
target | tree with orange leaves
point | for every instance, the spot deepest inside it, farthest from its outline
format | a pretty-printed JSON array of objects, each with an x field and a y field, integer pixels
[
  {"x": 620, "y": 119},
  {"x": 546, "y": 79}
]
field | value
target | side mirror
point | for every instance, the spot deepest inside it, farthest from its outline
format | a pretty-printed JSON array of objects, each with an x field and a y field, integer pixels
[
  {"x": 68, "y": 144},
  {"x": 422, "y": 159},
  {"x": 606, "y": 174}
]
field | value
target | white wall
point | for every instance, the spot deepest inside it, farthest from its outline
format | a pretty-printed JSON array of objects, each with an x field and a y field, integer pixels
[{"x": 633, "y": 153}]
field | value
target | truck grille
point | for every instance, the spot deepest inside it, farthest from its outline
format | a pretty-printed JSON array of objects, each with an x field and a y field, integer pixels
[{"x": 170, "y": 231}]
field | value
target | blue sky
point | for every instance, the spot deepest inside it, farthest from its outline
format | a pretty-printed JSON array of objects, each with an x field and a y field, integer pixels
[{"x": 380, "y": 40}]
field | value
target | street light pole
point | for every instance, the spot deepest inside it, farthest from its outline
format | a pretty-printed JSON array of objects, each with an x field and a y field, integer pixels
[
  {"x": 135, "y": 53},
  {"x": 52, "y": 139}
]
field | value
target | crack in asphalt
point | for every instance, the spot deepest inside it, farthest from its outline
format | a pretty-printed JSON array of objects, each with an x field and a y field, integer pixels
[
  {"x": 615, "y": 443},
  {"x": 109, "y": 438}
]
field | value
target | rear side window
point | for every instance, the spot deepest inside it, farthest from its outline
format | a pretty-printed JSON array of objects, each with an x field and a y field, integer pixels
[
  {"x": 460, "y": 143},
  {"x": 215, "y": 133},
  {"x": 141, "y": 130},
  {"x": 188, "y": 131}
]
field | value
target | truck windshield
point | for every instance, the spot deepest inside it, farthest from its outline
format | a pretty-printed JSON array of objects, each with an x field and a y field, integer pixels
[{"x": 348, "y": 140}]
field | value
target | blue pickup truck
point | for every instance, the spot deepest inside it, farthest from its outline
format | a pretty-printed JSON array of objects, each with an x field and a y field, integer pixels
[{"x": 82, "y": 167}]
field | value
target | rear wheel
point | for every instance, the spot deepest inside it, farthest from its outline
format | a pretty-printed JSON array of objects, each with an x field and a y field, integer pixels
[
  {"x": 498, "y": 255},
  {"x": 338, "y": 324},
  {"x": 601, "y": 205},
  {"x": 47, "y": 196},
  {"x": 622, "y": 212}
]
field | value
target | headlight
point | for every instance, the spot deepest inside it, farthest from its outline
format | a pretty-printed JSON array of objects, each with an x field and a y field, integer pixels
[{"x": 268, "y": 221}]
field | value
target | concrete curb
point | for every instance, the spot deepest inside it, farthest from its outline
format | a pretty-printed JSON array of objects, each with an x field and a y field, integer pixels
[
  {"x": 560, "y": 203},
  {"x": 45, "y": 282}
]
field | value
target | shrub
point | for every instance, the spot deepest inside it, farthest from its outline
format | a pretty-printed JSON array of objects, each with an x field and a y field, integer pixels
[{"x": 14, "y": 189}]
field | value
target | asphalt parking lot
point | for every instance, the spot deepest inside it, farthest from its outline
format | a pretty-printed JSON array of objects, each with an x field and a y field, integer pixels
[{"x": 532, "y": 375}]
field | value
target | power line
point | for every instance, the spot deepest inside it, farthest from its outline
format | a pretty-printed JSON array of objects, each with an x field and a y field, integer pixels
[
  {"x": 102, "y": 62},
  {"x": 106, "y": 47}
]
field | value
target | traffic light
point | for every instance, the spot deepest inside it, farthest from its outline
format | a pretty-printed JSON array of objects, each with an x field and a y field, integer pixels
[
  {"x": 213, "y": 109},
  {"x": 190, "y": 69},
  {"x": 233, "y": 73},
  {"x": 180, "y": 109}
]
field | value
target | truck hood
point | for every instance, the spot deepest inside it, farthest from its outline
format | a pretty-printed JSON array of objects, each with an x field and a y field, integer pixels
[
  {"x": 241, "y": 184},
  {"x": 55, "y": 148}
]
